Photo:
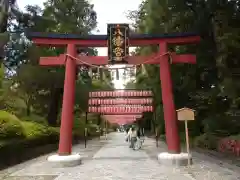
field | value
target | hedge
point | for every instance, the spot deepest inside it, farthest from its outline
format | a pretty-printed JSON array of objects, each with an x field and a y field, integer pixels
[
  {"x": 21, "y": 140},
  {"x": 230, "y": 145},
  {"x": 227, "y": 145},
  {"x": 10, "y": 126},
  {"x": 206, "y": 141}
]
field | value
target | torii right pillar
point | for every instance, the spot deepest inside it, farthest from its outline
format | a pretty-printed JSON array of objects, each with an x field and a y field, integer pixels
[{"x": 174, "y": 156}]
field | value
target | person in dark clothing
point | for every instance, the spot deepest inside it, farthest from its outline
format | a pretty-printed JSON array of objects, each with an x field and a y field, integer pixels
[
  {"x": 138, "y": 133},
  {"x": 142, "y": 131}
]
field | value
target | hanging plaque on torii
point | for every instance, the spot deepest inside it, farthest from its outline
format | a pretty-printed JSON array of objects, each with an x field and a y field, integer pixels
[{"x": 118, "y": 46}]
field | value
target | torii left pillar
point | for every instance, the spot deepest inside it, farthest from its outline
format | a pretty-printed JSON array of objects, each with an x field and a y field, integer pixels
[{"x": 65, "y": 156}]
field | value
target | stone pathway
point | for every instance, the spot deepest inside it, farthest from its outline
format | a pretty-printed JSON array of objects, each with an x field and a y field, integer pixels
[
  {"x": 113, "y": 160},
  {"x": 204, "y": 167},
  {"x": 39, "y": 168}
]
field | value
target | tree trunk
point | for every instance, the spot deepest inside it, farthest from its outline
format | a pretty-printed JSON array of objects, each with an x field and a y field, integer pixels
[
  {"x": 99, "y": 120},
  {"x": 28, "y": 111},
  {"x": 28, "y": 106},
  {"x": 55, "y": 102},
  {"x": 3, "y": 24},
  {"x": 153, "y": 127}
]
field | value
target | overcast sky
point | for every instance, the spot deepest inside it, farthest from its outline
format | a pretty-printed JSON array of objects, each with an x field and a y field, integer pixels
[{"x": 108, "y": 11}]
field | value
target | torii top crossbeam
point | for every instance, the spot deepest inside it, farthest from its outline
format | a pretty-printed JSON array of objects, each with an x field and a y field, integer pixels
[
  {"x": 54, "y": 39},
  {"x": 60, "y": 39}
]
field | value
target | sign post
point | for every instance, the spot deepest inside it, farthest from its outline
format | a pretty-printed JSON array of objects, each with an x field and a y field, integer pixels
[
  {"x": 186, "y": 114},
  {"x": 86, "y": 130},
  {"x": 187, "y": 141}
]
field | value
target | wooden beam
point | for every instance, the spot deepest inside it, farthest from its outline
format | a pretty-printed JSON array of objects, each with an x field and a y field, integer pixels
[
  {"x": 52, "y": 61},
  {"x": 103, "y": 43},
  {"x": 184, "y": 58},
  {"x": 103, "y": 60}
]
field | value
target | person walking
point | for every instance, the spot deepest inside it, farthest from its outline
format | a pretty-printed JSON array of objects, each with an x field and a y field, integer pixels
[
  {"x": 128, "y": 136},
  {"x": 133, "y": 137}
]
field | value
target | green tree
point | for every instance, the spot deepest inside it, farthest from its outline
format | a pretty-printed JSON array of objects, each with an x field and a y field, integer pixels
[
  {"x": 57, "y": 16},
  {"x": 211, "y": 87}
]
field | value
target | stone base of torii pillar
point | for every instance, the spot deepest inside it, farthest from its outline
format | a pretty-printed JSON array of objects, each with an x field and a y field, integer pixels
[
  {"x": 65, "y": 160},
  {"x": 180, "y": 159}
]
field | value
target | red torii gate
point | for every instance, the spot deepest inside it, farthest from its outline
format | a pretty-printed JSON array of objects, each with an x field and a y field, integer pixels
[{"x": 69, "y": 60}]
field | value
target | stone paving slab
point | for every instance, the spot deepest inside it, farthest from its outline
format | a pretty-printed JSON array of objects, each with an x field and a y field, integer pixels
[
  {"x": 111, "y": 159},
  {"x": 31, "y": 178},
  {"x": 115, "y": 161},
  {"x": 204, "y": 167},
  {"x": 40, "y": 169}
]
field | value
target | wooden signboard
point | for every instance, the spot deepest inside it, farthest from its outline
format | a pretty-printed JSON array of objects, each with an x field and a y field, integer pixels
[
  {"x": 118, "y": 47},
  {"x": 186, "y": 114}
]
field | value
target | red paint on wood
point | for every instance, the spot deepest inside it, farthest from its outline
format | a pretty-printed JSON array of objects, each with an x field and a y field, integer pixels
[
  {"x": 103, "y": 60},
  {"x": 65, "y": 141},
  {"x": 171, "y": 127},
  {"x": 184, "y": 58},
  {"x": 52, "y": 61},
  {"x": 103, "y": 43}
]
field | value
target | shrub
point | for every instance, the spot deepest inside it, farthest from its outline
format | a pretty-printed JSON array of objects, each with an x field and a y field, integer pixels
[
  {"x": 207, "y": 141},
  {"x": 10, "y": 126},
  {"x": 36, "y": 130},
  {"x": 236, "y": 137},
  {"x": 38, "y": 134},
  {"x": 230, "y": 145},
  {"x": 93, "y": 130},
  {"x": 79, "y": 126},
  {"x": 34, "y": 118},
  {"x": 35, "y": 135}
]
